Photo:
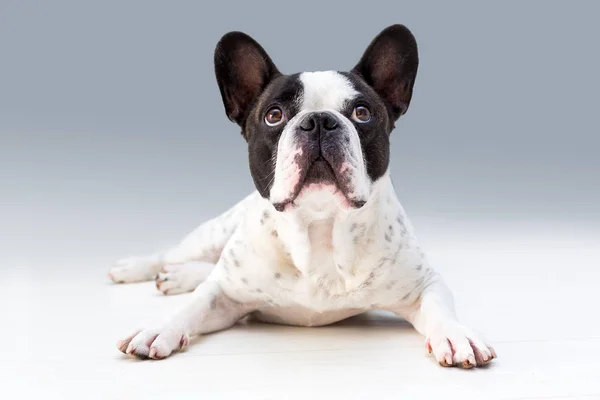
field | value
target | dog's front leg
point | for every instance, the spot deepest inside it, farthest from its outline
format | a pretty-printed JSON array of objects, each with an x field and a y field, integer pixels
[
  {"x": 209, "y": 310},
  {"x": 452, "y": 343}
]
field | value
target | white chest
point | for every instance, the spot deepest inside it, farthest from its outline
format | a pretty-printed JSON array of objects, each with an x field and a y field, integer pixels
[{"x": 329, "y": 268}]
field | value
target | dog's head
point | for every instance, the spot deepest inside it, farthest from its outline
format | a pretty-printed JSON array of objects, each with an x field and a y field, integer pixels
[{"x": 317, "y": 133}]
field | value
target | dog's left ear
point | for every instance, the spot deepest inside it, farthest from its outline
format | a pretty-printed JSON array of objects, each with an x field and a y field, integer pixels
[
  {"x": 389, "y": 65},
  {"x": 243, "y": 69}
]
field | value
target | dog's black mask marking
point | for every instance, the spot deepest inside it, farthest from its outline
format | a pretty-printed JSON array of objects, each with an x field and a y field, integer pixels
[{"x": 250, "y": 83}]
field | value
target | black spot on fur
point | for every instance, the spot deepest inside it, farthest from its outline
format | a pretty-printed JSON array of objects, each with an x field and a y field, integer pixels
[
  {"x": 369, "y": 280},
  {"x": 401, "y": 225},
  {"x": 418, "y": 286},
  {"x": 265, "y": 217},
  {"x": 277, "y": 275},
  {"x": 382, "y": 262}
]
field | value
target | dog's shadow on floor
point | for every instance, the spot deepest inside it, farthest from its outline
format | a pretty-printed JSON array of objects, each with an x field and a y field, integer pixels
[
  {"x": 378, "y": 324},
  {"x": 367, "y": 319},
  {"x": 374, "y": 318}
]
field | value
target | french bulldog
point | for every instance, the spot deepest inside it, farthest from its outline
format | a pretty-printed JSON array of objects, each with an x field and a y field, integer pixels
[{"x": 323, "y": 237}]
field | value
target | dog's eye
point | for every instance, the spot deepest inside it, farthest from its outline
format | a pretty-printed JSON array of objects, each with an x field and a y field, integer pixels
[
  {"x": 361, "y": 114},
  {"x": 274, "y": 116}
]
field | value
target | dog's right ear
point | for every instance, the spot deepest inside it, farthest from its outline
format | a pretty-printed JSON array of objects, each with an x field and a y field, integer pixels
[{"x": 243, "y": 69}]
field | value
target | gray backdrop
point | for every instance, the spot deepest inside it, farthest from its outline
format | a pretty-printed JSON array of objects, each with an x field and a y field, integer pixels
[{"x": 113, "y": 138}]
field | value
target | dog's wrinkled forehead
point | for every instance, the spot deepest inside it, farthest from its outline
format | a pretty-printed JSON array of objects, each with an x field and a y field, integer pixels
[
  {"x": 315, "y": 91},
  {"x": 306, "y": 91}
]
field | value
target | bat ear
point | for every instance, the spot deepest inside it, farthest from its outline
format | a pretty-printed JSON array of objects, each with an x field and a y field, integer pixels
[
  {"x": 389, "y": 66},
  {"x": 243, "y": 69}
]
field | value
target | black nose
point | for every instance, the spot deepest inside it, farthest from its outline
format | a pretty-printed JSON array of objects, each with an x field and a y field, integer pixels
[
  {"x": 324, "y": 120},
  {"x": 308, "y": 123}
]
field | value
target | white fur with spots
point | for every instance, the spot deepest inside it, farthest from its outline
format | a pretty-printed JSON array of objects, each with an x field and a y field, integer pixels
[{"x": 313, "y": 264}]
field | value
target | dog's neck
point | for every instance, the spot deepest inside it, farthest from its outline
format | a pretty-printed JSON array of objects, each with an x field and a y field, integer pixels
[{"x": 319, "y": 224}]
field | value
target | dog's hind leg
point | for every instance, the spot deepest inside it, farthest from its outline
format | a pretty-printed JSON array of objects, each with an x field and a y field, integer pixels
[{"x": 204, "y": 244}]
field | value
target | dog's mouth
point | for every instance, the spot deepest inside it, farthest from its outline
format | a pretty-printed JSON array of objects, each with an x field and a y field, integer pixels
[{"x": 319, "y": 172}]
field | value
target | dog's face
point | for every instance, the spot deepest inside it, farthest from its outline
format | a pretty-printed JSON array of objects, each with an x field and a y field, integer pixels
[{"x": 317, "y": 132}]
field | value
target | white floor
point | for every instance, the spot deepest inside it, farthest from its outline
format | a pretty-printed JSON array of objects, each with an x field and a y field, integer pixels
[{"x": 534, "y": 291}]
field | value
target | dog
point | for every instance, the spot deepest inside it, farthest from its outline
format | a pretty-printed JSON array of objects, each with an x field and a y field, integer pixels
[{"x": 323, "y": 237}]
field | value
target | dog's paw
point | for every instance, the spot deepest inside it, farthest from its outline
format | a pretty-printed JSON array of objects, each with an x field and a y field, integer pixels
[
  {"x": 153, "y": 343},
  {"x": 181, "y": 278},
  {"x": 134, "y": 269},
  {"x": 453, "y": 344}
]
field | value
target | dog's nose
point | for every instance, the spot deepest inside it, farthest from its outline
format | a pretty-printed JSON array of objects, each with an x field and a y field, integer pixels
[
  {"x": 321, "y": 120},
  {"x": 328, "y": 121},
  {"x": 308, "y": 124}
]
